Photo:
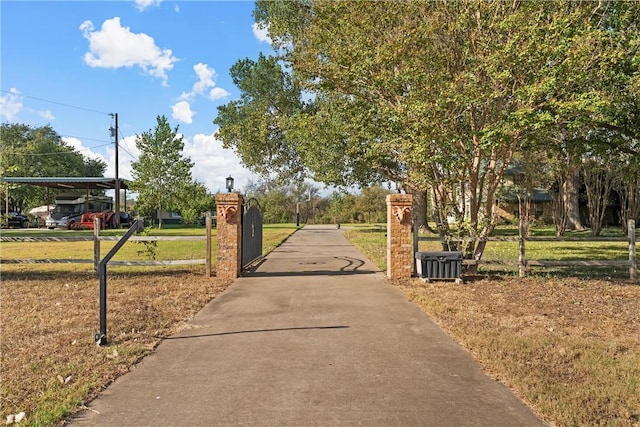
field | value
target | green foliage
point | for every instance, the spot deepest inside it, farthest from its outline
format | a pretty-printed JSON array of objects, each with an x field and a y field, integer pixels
[
  {"x": 256, "y": 125},
  {"x": 438, "y": 95},
  {"x": 194, "y": 201},
  {"x": 341, "y": 208},
  {"x": 371, "y": 205},
  {"x": 279, "y": 202},
  {"x": 161, "y": 176},
  {"x": 39, "y": 152},
  {"x": 149, "y": 247}
]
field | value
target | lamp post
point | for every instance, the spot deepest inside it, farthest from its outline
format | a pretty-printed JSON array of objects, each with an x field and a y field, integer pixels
[{"x": 229, "y": 183}]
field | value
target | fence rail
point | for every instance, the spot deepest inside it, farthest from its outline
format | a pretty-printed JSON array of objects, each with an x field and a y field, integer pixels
[
  {"x": 533, "y": 239},
  {"x": 523, "y": 263},
  {"x": 553, "y": 263},
  {"x": 96, "y": 239},
  {"x": 101, "y": 238},
  {"x": 100, "y": 264}
]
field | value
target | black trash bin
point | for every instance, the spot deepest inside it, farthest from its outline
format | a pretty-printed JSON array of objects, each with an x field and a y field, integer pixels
[{"x": 444, "y": 265}]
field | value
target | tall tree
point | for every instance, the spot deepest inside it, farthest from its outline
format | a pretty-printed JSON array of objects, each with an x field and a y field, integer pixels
[
  {"x": 627, "y": 185},
  {"x": 161, "y": 174}
]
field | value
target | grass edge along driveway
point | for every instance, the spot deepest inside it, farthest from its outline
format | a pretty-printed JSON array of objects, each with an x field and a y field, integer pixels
[
  {"x": 49, "y": 314},
  {"x": 568, "y": 346}
]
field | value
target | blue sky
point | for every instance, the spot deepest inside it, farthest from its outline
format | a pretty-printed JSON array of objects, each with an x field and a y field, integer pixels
[{"x": 69, "y": 64}]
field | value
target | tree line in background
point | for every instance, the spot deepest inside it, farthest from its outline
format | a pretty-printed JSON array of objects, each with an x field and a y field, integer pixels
[
  {"x": 291, "y": 203},
  {"x": 162, "y": 180},
  {"x": 39, "y": 152},
  {"x": 444, "y": 97},
  {"x": 161, "y": 176}
]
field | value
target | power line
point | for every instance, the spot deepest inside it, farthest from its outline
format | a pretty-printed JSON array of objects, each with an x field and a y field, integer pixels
[
  {"x": 129, "y": 153},
  {"x": 54, "y": 153},
  {"x": 89, "y": 139},
  {"x": 53, "y": 102},
  {"x": 124, "y": 148}
]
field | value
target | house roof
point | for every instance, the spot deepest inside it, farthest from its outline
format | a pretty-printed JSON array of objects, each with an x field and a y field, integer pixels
[
  {"x": 535, "y": 194},
  {"x": 69, "y": 183}
]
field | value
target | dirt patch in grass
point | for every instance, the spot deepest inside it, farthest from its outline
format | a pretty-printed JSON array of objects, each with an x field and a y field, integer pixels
[
  {"x": 568, "y": 347},
  {"x": 50, "y": 363}
]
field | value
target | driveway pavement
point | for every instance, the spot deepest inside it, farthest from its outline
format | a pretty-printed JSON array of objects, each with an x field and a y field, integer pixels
[{"x": 315, "y": 336}]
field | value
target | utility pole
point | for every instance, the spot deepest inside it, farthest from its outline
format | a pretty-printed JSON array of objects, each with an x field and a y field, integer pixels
[{"x": 114, "y": 133}]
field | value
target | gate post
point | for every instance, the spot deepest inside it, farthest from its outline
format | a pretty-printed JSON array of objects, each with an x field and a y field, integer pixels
[
  {"x": 229, "y": 235},
  {"x": 399, "y": 242}
]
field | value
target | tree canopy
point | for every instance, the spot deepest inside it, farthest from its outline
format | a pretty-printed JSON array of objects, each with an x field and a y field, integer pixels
[
  {"x": 438, "y": 95},
  {"x": 161, "y": 175},
  {"x": 39, "y": 152}
]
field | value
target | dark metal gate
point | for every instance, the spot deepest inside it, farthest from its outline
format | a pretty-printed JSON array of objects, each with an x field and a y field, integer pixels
[{"x": 251, "y": 232}]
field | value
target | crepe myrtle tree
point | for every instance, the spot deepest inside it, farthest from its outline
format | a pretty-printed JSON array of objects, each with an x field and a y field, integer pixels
[{"x": 436, "y": 95}]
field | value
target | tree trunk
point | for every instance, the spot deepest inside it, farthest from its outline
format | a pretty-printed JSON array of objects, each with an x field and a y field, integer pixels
[
  {"x": 628, "y": 188},
  {"x": 558, "y": 210},
  {"x": 571, "y": 200},
  {"x": 419, "y": 211},
  {"x": 597, "y": 180}
]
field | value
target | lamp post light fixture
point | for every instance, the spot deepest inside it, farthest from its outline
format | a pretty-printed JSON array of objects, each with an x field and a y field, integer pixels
[{"x": 229, "y": 183}]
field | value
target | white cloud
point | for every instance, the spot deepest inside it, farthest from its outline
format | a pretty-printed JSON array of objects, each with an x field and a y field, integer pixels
[
  {"x": 182, "y": 111},
  {"x": 262, "y": 34},
  {"x": 114, "y": 46},
  {"x": 10, "y": 104},
  {"x": 218, "y": 93},
  {"x": 47, "y": 115},
  {"x": 213, "y": 164},
  {"x": 77, "y": 145},
  {"x": 206, "y": 80},
  {"x": 144, "y": 4}
]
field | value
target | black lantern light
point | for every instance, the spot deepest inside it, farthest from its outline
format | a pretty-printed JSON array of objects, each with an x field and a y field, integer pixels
[{"x": 229, "y": 184}]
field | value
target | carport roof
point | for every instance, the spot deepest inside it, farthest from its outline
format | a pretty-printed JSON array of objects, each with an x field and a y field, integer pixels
[{"x": 69, "y": 183}]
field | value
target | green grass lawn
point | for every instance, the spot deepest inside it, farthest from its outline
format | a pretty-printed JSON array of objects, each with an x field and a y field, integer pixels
[
  {"x": 131, "y": 250},
  {"x": 371, "y": 239}
]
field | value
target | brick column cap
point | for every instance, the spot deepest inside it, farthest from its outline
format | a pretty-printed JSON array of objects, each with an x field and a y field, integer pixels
[
  {"x": 228, "y": 198},
  {"x": 399, "y": 199}
]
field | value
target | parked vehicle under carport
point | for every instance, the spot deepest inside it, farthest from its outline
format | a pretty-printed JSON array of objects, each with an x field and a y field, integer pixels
[{"x": 15, "y": 219}]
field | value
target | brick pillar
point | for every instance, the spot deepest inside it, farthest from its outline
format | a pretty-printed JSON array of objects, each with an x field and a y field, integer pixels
[
  {"x": 399, "y": 240},
  {"x": 229, "y": 234}
]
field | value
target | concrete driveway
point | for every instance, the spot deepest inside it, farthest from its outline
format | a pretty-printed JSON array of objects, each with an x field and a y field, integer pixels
[{"x": 315, "y": 336}]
